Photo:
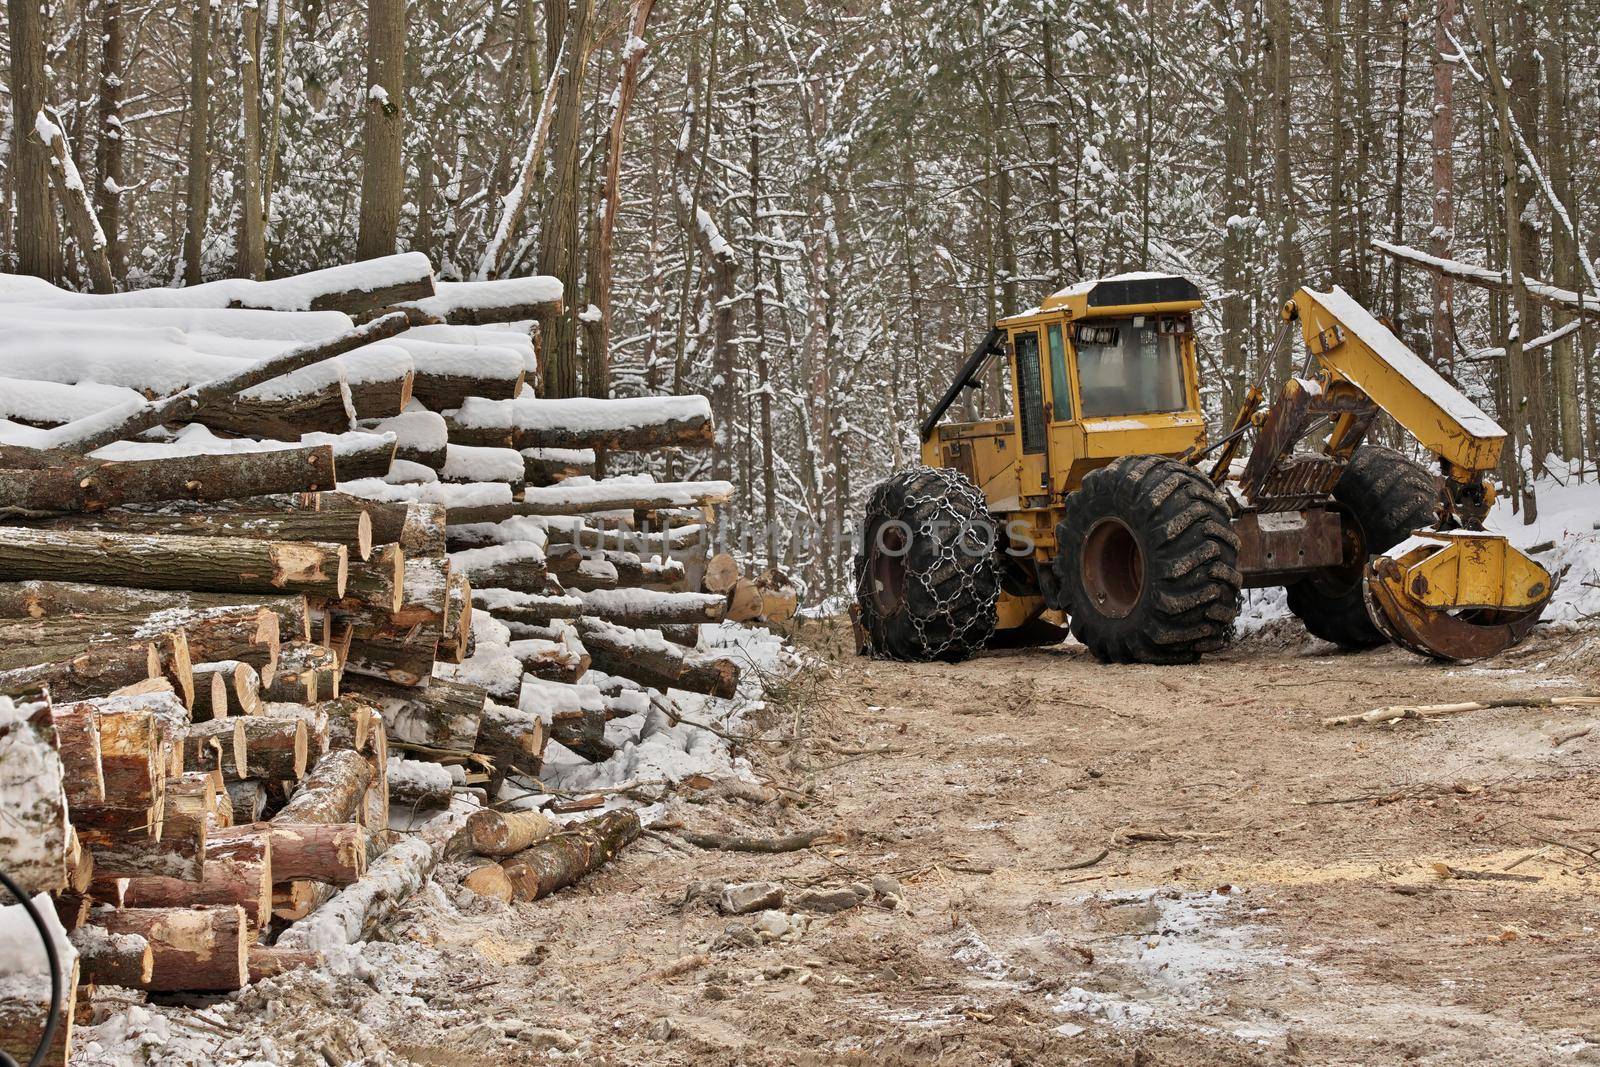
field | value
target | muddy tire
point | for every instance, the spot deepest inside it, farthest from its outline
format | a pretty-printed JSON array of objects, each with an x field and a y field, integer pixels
[
  {"x": 1390, "y": 497},
  {"x": 1148, "y": 563},
  {"x": 926, "y": 576}
]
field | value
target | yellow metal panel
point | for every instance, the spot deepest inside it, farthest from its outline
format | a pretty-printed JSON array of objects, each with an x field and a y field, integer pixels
[
  {"x": 1352, "y": 345},
  {"x": 1015, "y": 611},
  {"x": 1475, "y": 570}
]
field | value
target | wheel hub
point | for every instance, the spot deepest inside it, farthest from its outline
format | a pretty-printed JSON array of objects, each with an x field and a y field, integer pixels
[
  {"x": 886, "y": 570},
  {"x": 1113, "y": 568}
]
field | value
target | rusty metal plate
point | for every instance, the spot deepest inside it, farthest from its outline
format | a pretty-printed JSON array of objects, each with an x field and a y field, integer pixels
[{"x": 1275, "y": 545}]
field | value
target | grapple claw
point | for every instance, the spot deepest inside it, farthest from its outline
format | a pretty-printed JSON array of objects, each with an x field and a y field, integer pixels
[{"x": 1456, "y": 595}]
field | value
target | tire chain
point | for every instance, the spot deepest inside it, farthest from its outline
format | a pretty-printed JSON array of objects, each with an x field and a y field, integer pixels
[{"x": 969, "y": 597}]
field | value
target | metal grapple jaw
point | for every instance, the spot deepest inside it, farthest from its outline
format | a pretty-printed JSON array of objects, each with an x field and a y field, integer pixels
[{"x": 1456, "y": 595}]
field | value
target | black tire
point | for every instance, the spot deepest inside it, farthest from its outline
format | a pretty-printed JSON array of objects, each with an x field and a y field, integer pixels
[
  {"x": 1148, "y": 563},
  {"x": 926, "y": 576},
  {"x": 1389, "y": 497}
]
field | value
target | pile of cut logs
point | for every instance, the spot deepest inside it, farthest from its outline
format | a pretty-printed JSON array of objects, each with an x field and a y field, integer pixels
[{"x": 284, "y": 563}]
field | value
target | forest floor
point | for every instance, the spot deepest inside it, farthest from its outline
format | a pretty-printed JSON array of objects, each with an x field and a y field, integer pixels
[{"x": 1095, "y": 865}]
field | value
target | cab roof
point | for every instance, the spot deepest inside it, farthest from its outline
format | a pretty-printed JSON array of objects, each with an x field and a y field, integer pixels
[{"x": 1139, "y": 292}]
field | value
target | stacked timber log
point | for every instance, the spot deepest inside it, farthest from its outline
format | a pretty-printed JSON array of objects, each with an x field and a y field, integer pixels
[{"x": 286, "y": 564}]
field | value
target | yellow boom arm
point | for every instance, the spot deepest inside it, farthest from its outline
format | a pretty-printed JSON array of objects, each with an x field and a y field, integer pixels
[{"x": 1457, "y": 594}]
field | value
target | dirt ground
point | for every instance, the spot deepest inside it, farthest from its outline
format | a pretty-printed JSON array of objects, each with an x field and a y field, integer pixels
[{"x": 1095, "y": 864}]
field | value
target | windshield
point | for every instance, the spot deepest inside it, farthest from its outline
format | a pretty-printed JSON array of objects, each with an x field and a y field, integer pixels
[{"x": 1130, "y": 366}]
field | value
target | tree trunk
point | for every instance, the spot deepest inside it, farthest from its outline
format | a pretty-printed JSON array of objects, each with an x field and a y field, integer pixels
[
  {"x": 37, "y": 239},
  {"x": 252, "y": 250},
  {"x": 558, "y": 354},
  {"x": 213, "y": 564},
  {"x": 1442, "y": 237},
  {"x": 565, "y": 857},
  {"x": 331, "y": 793},
  {"x": 36, "y": 483},
  {"x": 199, "y": 174},
  {"x": 383, "y": 134}
]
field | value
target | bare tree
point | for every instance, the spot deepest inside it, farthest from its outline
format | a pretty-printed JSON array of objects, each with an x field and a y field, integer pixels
[
  {"x": 199, "y": 177},
  {"x": 108, "y": 146},
  {"x": 252, "y": 247},
  {"x": 38, "y": 239},
  {"x": 383, "y": 135}
]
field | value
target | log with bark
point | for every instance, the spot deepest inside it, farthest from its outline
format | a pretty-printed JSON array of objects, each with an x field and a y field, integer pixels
[
  {"x": 513, "y": 739},
  {"x": 113, "y": 424},
  {"x": 405, "y": 658},
  {"x": 276, "y": 747},
  {"x": 332, "y": 792},
  {"x": 320, "y": 399},
  {"x": 238, "y": 869},
  {"x": 105, "y": 958},
  {"x": 35, "y": 598},
  {"x": 644, "y": 424},
  {"x": 357, "y": 912},
  {"x": 566, "y": 563},
  {"x": 226, "y": 687},
  {"x": 333, "y": 853},
  {"x": 157, "y": 561},
  {"x": 269, "y": 961},
  {"x": 58, "y": 652},
  {"x": 199, "y": 949},
  {"x": 33, "y": 801},
  {"x": 377, "y": 584},
  {"x": 441, "y": 716},
  {"x": 502, "y": 833},
  {"x": 617, "y": 495},
  {"x": 38, "y": 483},
  {"x": 306, "y": 673},
  {"x": 519, "y": 566},
  {"x": 563, "y": 858},
  {"x": 652, "y": 660}
]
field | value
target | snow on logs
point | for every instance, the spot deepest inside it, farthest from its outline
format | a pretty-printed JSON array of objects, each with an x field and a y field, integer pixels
[{"x": 264, "y": 573}]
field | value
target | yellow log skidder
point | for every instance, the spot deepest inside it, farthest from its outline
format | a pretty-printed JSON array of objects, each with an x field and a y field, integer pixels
[{"x": 1101, "y": 500}]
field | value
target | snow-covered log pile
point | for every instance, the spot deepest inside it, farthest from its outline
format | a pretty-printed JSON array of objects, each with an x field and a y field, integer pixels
[{"x": 289, "y": 566}]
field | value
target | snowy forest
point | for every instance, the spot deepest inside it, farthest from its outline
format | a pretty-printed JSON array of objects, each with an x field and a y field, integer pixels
[{"x": 811, "y": 212}]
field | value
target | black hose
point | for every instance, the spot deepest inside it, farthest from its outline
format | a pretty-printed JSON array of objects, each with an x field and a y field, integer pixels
[{"x": 54, "y": 1018}]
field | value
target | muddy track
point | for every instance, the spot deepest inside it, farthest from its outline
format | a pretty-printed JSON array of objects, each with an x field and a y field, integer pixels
[{"x": 1096, "y": 865}]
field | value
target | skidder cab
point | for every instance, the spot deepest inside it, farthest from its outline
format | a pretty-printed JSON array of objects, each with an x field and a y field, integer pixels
[{"x": 1101, "y": 501}]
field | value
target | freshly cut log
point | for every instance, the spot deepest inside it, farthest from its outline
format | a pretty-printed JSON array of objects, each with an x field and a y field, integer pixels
[
  {"x": 238, "y": 870},
  {"x": 722, "y": 574},
  {"x": 441, "y": 715},
  {"x": 275, "y": 747},
  {"x": 378, "y": 583},
  {"x": 225, "y": 688},
  {"x": 114, "y": 424},
  {"x": 634, "y": 425},
  {"x": 131, "y": 761},
  {"x": 34, "y": 845},
  {"x": 652, "y": 660},
  {"x": 519, "y": 566},
  {"x": 488, "y": 879},
  {"x": 501, "y": 833},
  {"x": 292, "y": 901},
  {"x": 455, "y": 642},
  {"x": 113, "y": 959},
  {"x": 269, "y": 961},
  {"x": 615, "y": 495},
  {"x": 359, "y": 910},
  {"x": 418, "y": 527},
  {"x": 316, "y": 720},
  {"x": 332, "y": 792},
  {"x": 211, "y": 564},
  {"x": 332, "y": 853},
  {"x": 563, "y": 858},
  {"x": 39, "y": 599},
  {"x": 353, "y": 529},
  {"x": 37, "y": 483},
  {"x": 96, "y": 670},
  {"x": 744, "y": 602},
  {"x": 77, "y": 729},
  {"x": 249, "y": 800},
  {"x": 179, "y": 853},
  {"x": 405, "y": 659},
  {"x": 350, "y": 722},
  {"x": 306, "y": 674},
  {"x": 217, "y": 744},
  {"x": 198, "y": 793},
  {"x": 201, "y": 949}
]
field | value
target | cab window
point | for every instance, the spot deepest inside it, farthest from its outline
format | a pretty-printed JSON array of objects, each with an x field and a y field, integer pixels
[
  {"x": 1030, "y": 393},
  {"x": 1060, "y": 394},
  {"x": 1130, "y": 366}
]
